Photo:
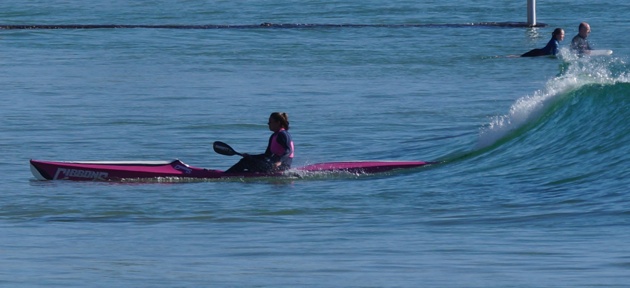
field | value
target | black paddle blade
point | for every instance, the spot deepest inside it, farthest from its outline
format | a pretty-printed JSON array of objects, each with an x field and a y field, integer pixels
[{"x": 223, "y": 149}]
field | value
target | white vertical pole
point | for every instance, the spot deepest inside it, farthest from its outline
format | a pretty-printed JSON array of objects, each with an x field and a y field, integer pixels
[{"x": 531, "y": 12}]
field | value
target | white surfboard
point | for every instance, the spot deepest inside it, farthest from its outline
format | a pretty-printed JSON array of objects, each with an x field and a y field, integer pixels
[{"x": 599, "y": 52}]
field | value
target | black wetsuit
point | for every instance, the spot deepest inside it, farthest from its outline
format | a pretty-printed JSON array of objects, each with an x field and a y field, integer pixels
[
  {"x": 550, "y": 49},
  {"x": 580, "y": 44},
  {"x": 279, "y": 149}
]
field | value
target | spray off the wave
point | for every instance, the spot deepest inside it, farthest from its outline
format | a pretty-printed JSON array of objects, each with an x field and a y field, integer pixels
[{"x": 575, "y": 73}]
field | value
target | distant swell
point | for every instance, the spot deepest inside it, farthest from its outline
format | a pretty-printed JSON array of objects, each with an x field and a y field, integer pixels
[{"x": 266, "y": 25}]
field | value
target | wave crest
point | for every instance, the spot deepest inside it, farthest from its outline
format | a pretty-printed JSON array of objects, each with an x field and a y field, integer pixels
[{"x": 576, "y": 73}]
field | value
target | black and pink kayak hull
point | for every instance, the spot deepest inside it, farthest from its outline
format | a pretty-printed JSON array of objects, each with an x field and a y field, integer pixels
[{"x": 121, "y": 170}]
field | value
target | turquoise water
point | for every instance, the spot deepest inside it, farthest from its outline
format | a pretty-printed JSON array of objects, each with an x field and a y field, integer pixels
[{"x": 532, "y": 191}]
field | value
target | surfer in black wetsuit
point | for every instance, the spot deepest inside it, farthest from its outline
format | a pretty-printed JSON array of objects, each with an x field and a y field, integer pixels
[
  {"x": 552, "y": 45},
  {"x": 579, "y": 42}
]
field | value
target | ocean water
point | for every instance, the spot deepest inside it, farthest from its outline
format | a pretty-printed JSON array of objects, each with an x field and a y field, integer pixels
[{"x": 532, "y": 189}]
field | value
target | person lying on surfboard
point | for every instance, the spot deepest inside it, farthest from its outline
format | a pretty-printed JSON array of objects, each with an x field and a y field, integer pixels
[
  {"x": 552, "y": 45},
  {"x": 279, "y": 153}
]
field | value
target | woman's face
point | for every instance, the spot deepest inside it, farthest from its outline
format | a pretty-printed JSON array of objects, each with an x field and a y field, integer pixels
[
  {"x": 274, "y": 125},
  {"x": 560, "y": 36}
]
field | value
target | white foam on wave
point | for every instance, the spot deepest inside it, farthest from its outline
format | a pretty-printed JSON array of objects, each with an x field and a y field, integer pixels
[{"x": 579, "y": 71}]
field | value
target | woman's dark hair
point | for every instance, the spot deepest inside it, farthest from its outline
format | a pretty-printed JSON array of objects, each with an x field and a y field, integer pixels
[
  {"x": 556, "y": 31},
  {"x": 281, "y": 117}
]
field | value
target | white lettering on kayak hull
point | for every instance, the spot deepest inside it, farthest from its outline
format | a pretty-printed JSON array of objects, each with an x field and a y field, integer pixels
[{"x": 64, "y": 173}]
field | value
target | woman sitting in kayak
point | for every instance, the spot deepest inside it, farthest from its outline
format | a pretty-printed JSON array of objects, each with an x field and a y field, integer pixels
[
  {"x": 279, "y": 153},
  {"x": 552, "y": 45}
]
